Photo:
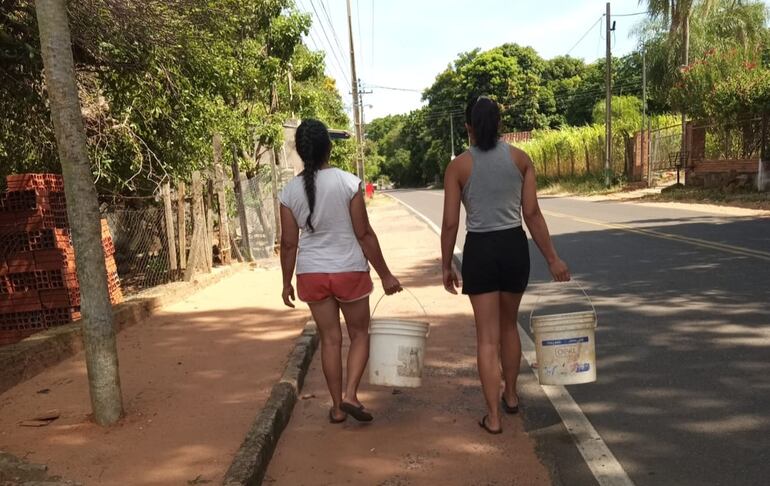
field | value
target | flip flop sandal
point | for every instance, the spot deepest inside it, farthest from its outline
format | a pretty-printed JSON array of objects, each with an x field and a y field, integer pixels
[
  {"x": 358, "y": 413},
  {"x": 509, "y": 409},
  {"x": 483, "y": 425},
  {"x": 333, "y": 420}
]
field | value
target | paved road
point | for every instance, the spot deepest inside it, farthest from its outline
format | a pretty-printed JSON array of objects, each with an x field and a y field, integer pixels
[{"x": 683, "y": 395}]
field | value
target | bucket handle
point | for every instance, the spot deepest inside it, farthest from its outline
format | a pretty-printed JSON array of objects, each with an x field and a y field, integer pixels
[
  {"x": 424, "y": 312},
  {"x": 575, "y": 281}
]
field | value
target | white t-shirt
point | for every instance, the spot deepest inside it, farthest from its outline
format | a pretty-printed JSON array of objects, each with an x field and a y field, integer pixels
[{"x": 333, "y": 246}]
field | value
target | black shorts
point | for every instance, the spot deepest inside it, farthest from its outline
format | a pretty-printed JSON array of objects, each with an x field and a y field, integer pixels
[{"x": 497, "y": 261}]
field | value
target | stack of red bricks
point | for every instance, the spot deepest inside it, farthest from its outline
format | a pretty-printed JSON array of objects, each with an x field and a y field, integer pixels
[{"x": 38, "y": 281}]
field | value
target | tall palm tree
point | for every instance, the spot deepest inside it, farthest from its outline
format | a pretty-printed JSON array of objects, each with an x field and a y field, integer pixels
[{"x": 677, "y": 14}]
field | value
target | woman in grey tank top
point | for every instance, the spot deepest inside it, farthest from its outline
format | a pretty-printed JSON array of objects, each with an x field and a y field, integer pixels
[{"x": 496, "y": 184}]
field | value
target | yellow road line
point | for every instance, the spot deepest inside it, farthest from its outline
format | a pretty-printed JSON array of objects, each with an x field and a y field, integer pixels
[{"x": 712, "y": 245}]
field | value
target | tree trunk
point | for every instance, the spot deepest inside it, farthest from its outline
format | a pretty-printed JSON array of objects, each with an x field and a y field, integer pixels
[{"x": 83, "y": 208}]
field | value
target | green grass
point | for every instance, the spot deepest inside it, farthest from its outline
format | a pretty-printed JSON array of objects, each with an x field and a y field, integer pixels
[
  {"x": 585, "y": 185},
  {"x": 743, "y": 198}
]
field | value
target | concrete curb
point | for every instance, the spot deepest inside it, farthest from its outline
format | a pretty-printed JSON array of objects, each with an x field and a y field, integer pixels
[
  {"x": 27, "y": 358},
  {"x": 253, "y": 457}
]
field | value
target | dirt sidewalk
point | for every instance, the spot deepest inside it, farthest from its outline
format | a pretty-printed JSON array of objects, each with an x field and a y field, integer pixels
[
  {"x": 194, "y": 377},
  {"x": 424, "y": 436}
]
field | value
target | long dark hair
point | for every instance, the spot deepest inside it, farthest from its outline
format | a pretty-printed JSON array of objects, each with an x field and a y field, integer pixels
[
  {"x": 314, "y": 147},
  {"x": 483, "y": 115}
]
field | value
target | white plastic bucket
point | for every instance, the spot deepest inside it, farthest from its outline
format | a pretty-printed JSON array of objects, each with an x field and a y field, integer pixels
[
  {"x": 397, "y": 351},
  {"x": 565, "y": 345}
]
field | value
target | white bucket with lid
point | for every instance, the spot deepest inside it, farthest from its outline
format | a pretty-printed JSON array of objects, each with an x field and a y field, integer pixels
[
  {"x": 565, "y": 345},
  {"x": 397, "y": 350}
]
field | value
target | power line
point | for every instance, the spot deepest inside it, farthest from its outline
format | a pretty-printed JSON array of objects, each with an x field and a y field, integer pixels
[
  {"x": 326, "y": 36},
  {"x": 331, "y": 24},
  {"x": 585, "y": 35},
  {"x": 630, "y": 14},
  {"x": 391, "y": 88},
  {"x": 358, "y": 22},
  {"x": 372, "y": 15}
]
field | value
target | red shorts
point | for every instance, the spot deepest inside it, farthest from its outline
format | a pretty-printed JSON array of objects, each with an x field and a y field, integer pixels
[{"x": 345, "y": 287}]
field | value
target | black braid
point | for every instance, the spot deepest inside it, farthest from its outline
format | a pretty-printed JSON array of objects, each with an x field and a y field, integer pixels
[{"x": 314, "y": 148}]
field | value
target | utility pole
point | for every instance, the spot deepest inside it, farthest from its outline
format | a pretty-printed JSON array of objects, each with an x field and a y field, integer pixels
[
  {"x": 608, "y": 115},
  {"x": 645, "y": 131},
  {"x": 685, "y": 62},
  {"x": 356, "y": 99},
  {"x": 452, "y": 135},
  {"x": 362, "y": 121}
]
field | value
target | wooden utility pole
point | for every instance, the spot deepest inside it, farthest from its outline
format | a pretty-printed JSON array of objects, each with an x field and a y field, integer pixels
[
  {"x": 356, "y": 99},
  {"x": 608, "y": 115},
  {"x": 646, "y": 132},
  {"x": 83, "y": 211},
  {"x": 685, "y": 62}
]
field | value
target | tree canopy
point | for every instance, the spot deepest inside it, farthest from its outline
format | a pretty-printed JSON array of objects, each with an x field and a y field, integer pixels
[{"x": 158, "y": 78}]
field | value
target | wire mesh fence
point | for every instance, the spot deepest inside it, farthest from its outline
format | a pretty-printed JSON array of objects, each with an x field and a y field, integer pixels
[
  {"x": 665, "y": 146},
  {"x": 260, "y": 213},
  {"x": 141, "y": 247}
]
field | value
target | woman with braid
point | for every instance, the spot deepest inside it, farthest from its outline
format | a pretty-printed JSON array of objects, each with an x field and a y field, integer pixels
[{"x": 325, "y": 232}]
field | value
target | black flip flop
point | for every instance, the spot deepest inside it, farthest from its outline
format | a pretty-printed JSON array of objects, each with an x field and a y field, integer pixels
[
  {"x": 358, "y": 413},
  {"x": 509, "y": 409},
  {"x": 483, "y": 425},
  {"x": 333, "y": 420}
]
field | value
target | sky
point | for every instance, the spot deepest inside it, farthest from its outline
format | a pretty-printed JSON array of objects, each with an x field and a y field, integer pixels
[{"x": 405, "y": 44}]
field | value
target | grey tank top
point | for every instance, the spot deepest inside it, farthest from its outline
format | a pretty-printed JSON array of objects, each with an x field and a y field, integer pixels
[{"x": 492, "y": 195}]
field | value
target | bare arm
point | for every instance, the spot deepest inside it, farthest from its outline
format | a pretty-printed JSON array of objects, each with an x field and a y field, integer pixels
[
  {"x": 535, "y": 221},
  {"x": 449, "y": 225},
  {"x": 370, "y": 245},
  {"x": 289, "y": 244}
]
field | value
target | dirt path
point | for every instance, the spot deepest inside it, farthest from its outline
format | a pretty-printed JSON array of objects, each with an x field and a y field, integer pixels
[
  {"x": 425, "y": 436},
  {"x": 194, "y": 377}
]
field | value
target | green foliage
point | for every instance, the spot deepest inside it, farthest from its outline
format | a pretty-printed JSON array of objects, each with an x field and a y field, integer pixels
[
  {"x": 626, "y": 113},
  {"x": 158, "y": 78},
  {"x": 725, "y": 85}
]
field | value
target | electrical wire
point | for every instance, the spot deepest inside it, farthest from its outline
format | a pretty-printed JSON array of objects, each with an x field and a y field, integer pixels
[{"x": 585, "y": 35}]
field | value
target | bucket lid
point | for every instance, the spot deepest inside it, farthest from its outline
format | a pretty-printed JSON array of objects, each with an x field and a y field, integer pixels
[{"x": 583, "y": 318}]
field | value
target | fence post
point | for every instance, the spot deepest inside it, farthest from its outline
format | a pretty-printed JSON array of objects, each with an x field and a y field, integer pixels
[
  {"x": 276, "y": 205},
  {"x": 169, "y": 217},
  {"x": 181, "y": 222},
  {"x": 210, "y": 220},
  {"x": 219, "y": 187},
  {"x": 198, "y": 251},
  {"x": 241, "y": 206}
]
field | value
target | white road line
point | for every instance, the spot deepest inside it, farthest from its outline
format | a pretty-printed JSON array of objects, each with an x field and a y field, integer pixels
[{"x": 600, "y": 460}]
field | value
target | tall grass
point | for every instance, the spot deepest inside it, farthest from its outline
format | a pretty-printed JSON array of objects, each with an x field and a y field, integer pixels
[{"x": 579, "y": 151}]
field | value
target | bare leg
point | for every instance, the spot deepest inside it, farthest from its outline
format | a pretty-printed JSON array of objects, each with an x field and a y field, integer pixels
[
  {"x": 357, "y": 320},
  {"x": 327, "y": 317},
  {"x": 486, "y": 310},
  {"x": 510, "y": 344}
]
